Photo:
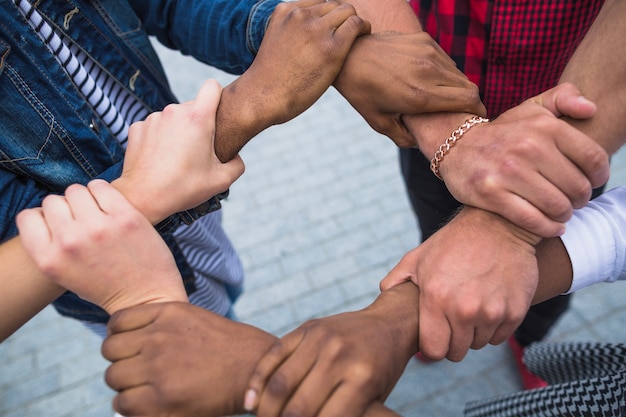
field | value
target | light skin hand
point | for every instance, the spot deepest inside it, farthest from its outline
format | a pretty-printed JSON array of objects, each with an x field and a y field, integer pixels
[
  {"x": 528, "y": 165},
  {"x": 159, "y": 176},
  {"x": 338, "y": 365},
  {"x": 287, "y": 77},
  {"x": 469, "y": 296},
  {"x": 167, "y": 356},
  {"x": 93, "y": 242},
  {"x": 389, "y": 75},
  {"x": 170, "y": 164}
]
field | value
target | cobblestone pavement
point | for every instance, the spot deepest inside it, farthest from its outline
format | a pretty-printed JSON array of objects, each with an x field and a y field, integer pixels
[{"x": 318, "y": 219}]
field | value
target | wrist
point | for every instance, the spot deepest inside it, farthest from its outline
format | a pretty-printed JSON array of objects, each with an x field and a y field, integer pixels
[
  {"x": 450, "y": 142},
  {"x": 137, "y": 198},
  {"x": 240, "y": 116},
  {"x": 399, "y": 308},
  {"x": 479, "y": 218},
  {"x": 432, "y": 129}
]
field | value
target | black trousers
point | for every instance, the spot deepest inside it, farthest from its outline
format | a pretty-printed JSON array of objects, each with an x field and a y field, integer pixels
[{"x": 434, "y": 205}]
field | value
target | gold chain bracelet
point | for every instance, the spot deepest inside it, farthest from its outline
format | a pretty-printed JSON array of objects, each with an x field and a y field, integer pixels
[{"x": 451, "y": 141}]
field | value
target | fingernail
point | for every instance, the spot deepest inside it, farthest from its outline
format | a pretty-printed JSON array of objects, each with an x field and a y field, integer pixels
[{"x": 249, "y": 400}]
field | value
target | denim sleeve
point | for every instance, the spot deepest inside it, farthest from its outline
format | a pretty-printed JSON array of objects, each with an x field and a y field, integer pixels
[
  {"x": 225, "y": 34},
  {"x": 17, "y": 194}
]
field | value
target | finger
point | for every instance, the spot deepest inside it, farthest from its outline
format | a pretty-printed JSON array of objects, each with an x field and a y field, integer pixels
[
  {"x": 137, "y": 402},
  {"x": 566, "y": 100},
  {"x": 81, "y": 203},
  {"x": 126, "y": 374},
  {"x": 397, "y": 131},
  {"x": 536, "y": 204},
  {"x": 264, "y": 385},
  {"x": 232, "y": 170},
  {"x": 306, "y": 382},
  {"x": 349, "y": 25},
  {"x": 503, "y": 332},
  {"x": 108, "y": 198},
  {"x": 58, "y": 215},
  {"x": 402, "y": 272},
  {"x": 452, "y": 98},
  {"x": 121, "y": 346},
  {"x": 346, "y": 401},
  {"x": 33, "y": 229},
  {"x": 434, "y": 334},
  {"x": 461, "y": 337},
  {"x": 394, "y": 278},
  {"x": 588, "y": 156},
  {"x": 377, "y": 409},
  {"x": 208, "y": 97},
  {"x": 133, "y": 318}
]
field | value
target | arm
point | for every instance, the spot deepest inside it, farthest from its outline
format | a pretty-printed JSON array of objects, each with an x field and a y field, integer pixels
[
  {"x": 147, "y": 354},
  {"x": 287, "y": 77},
  {"x": 265, "y": 94},
  {"x": 338, "y": 365},
  {"x": 399, "y": 71},
  {"x": 499, "y": 278},
  {"x": 490, "y": 316},
  {"x": 592, "y": 250},
  {"x": 24, "y": 290},
  {"x": 599, "y": 73},
  {"x": 494, "y": 187},
  {"x": 156, "y": 190},
  {"x": 93, "y": 242}
]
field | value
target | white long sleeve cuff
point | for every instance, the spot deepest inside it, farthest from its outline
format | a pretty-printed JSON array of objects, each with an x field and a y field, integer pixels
[{"x": 596, "y": 242}]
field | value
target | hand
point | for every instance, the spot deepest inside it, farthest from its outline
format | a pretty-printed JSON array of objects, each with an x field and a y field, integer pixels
[
  {"x": 529, "y": 166},
  {"x": 477, "y": 276},
  {"x": 94, "y": 243},
  {"x": 302, "y": 52},
  {"x": 170, "y": 163},
  {"x": 389, "y": 75},
  {"x": 178, "y": 360},
  {"x": 338, "y": 365}
]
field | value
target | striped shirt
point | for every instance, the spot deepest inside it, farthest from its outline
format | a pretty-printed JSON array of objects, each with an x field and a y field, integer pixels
[{"x": 204, "y": 243}]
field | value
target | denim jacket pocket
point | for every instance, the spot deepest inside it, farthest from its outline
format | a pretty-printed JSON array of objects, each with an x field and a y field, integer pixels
[{"x": 35, "y": 138}]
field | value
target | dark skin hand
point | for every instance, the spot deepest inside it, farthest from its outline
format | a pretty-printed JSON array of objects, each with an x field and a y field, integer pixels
[
  {"x": 384, "y": 75},
  {"x": 336, "y": 366},
  {"x": 388, "y": 75},
  {"x": 168, "y": 356},
  {"x": 286, "y": 78}
]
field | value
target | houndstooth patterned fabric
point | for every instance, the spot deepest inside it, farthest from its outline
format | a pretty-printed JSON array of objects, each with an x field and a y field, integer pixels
[{"x": 586, "y": 379}]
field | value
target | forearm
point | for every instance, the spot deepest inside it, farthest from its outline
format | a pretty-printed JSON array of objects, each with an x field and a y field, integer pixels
[
  {"x": 598, "y": 69},
  {"x": 25, "y": 291},
  {"x": 387, "y": 15},
  {"x": 240, "y": 116},
  {"x": 555, "y": 270}
]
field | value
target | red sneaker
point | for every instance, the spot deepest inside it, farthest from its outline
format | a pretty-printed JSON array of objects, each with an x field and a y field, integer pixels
[{"x": 529, "y": 380}]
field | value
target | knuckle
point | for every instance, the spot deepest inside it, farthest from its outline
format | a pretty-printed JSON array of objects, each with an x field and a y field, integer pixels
[
  {"x": 493, "y": 313},
  {"x": 278, "y": 386},
  {"x": 122, "y": 405},
  {"x": 364, "y": 374},
  {"x": 561, "y": 209}
]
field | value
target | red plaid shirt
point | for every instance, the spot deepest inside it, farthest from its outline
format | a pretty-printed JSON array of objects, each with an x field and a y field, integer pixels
[{"x": 512, "y": 49}]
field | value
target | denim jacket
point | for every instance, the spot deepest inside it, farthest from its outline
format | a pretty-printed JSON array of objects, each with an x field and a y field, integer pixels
[{"x": 49, "y": 135}]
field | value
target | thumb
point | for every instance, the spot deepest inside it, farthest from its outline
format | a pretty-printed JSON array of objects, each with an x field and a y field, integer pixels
[
  {"x": 566, "y": 100},
  {"x": 208, "y": 98}
]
